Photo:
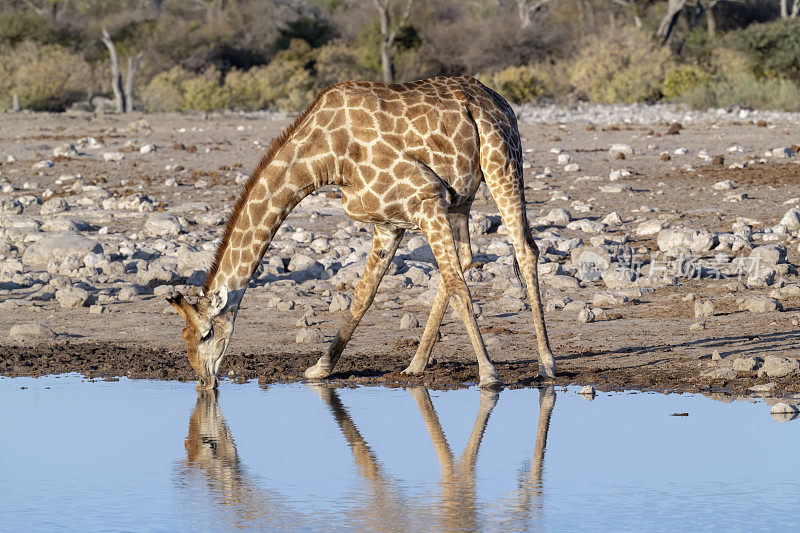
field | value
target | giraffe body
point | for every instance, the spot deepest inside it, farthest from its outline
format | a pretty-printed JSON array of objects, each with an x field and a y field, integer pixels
[{"x": 406, "y": 156}]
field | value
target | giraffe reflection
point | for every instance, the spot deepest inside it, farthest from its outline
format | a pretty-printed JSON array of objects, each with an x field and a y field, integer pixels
[
  {"x": 211, "y": 450},
  {"x": 458, "y": 509}
]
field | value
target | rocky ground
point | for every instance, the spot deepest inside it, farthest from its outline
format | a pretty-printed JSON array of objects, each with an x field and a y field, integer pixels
[{"x": 669, "y": 242}]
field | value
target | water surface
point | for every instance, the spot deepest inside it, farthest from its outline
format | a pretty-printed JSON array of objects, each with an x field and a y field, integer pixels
[{"x": 154, "y": 456}]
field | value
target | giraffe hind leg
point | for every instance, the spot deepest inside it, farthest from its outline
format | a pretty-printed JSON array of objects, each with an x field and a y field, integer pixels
[
  {"x": 459, "y": 223},
  {"x": 384, "y": 245},
  {"x": 434, "y": 223}
]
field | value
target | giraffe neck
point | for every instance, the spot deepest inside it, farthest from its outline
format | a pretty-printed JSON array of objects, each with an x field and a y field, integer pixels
[{"x": 266, "y": 202}]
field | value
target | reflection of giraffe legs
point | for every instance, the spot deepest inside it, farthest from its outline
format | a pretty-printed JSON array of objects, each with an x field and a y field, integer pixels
[
  {"x": 459, "y": 224},
  {"x": 386, "y": 511},
  {"x": 384, "y": 245},
  {"x": 458, "y": 483},
  {"x": 530, "y": 483}
]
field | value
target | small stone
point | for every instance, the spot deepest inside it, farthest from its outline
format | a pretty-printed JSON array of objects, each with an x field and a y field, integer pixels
[
  {"x": 716, "y": 356},
  {"x": 409, "y": 321},
  {"x": 762, "y": 388},
  {"x": 309, "y": 336},
  {"x": 721, "y": 373},
  {"x": 113, "y": 156},
  {"x": 572, "y": 167},
  {"x": 32, "y": 332},
  {"x": 778, "y": 367},
  {"x": 703, "y": 309},
  {"x": 147, "y": 148},
  {"x": 623, "y": 149},
  {"x": 725, "y": 185},
  {"x": 784, "y": 408},
  {"x": 340, "y": 302},
  {"x": 760, "y": 304},
  {"x": 746, "y": 364},
  {"x": 665, "y": 157},
  {"x": 43, "y": 164},
  {"x": 697, "y": 326},
  {"x": 98, "y": 309},
  {"x": 563, "y": 159},
  {"x": 587, "y": 390},
  {"x": 284, "y": 305},
  {"x": 72, "y": 297},
  {"x": 586, "y": 315}
]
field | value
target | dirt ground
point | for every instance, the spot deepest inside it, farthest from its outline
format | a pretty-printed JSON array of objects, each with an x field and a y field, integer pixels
[{"x": 645, "y": 344}]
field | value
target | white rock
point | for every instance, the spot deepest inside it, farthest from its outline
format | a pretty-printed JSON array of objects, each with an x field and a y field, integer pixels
[
  {"x": 32, "y": 332},
  {"x": 572, "y": 167},
  {"x": 162, "y": 225},
  {"x": 304, "y": 263},
  {"x": 724, "y": 185},
  {"x": 563, "y": 159},
  {"x": 698, "y": 241},
  {"x": 680, "y": 151},
  {"x": 586, "y": 315},
  {"x": 340, "y": 302},
  {"x": 54, "y": 205},
  {"x": 791, "y": 220},
  {"x": 612, "y": 219},
  {"x": 409, "y": 321},
  {"x": 147, "y": 148},
  {"x": 309, "y": 336},
  {"x": 43, "y": 164},
  {"x": 649, "y": 227},
  {"x": 113, "y": 156},
  {"x": 620, "y": 149},
  {"x": 57, "y": 247},
  {"x": 71, "y": 297}
]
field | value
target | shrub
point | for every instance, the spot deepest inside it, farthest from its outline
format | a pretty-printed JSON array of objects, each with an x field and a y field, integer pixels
[
  {"x": 516, "y": 84},
  {"x": 626, "y": 66},
  {"x": 244, "y": 90},
  {"x": 203, "y": 92},
  {"x": 163, "y": 92},
  {"x": 745, "y": 90},
  {"x": 683, "y": 78},
  {"x": 338, "y": 62},
  {"x": 772, "y": 48},
  {"x": 45, "y": 77}
]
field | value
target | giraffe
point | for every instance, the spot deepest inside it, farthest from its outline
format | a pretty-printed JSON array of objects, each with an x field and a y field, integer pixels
[{"x": 405, "y": 156}]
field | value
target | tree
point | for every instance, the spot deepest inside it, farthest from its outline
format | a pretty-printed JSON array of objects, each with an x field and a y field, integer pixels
[
  {"x": 785, "y": 13},
  {"x": 123, "y": 94},
  {"x": 389, "y": 29}
]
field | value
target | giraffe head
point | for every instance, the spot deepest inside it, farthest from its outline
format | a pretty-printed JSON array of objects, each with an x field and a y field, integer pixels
[{"x": 207, "y": 333}]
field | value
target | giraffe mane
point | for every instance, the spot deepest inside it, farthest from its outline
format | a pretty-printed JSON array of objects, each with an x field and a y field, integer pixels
[{"x": 244, "y": 194}]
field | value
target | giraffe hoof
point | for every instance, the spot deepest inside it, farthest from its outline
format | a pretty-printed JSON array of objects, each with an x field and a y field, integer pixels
[
  {"x": 413, "y": 371},
  {"x": 316, "y": 372},
  {"x": 490, "y": 383},
  {"x": 547, "y": 371}
]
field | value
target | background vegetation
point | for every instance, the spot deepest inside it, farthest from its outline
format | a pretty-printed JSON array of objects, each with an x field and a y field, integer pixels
[{"x": 266, "y": 54}]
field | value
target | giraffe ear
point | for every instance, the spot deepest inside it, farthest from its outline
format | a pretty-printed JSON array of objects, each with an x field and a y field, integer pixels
[
  {"x": 218, "y": 300},
  {"x": 184, "y": 308}
]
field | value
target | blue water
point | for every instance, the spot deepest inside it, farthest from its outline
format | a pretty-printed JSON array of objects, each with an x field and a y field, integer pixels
[{"x": 140, "y": 455}]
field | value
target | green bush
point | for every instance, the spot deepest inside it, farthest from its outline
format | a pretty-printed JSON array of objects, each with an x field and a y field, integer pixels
[
  {"x": 164, "y": 91},
  {"x": 204, "y": 92},
  {"x": 772, "y": 48},
  {"x": 516, "y": 84},
  {"x": 745, "y": 90},
  {"x": 244, "y": 90},
  {"x": 625, "y": 66},
  {"x": 683, "y": 78},
  {"x": 45, "y": 77}
]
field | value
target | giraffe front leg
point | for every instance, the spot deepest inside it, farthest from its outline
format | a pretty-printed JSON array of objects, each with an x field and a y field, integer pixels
[
  {"x": 459, "y": 223},
  {"x": 385, "y": 241}
]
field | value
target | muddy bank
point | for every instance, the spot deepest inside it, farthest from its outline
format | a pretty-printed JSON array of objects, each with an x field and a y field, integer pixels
[{"x": 108, "y": 361}]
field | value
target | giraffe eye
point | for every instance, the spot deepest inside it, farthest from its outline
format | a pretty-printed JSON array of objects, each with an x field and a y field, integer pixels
[{"x": 207, "y": 335}]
